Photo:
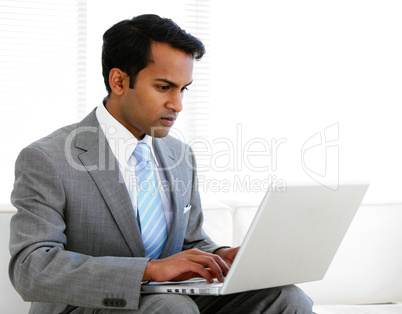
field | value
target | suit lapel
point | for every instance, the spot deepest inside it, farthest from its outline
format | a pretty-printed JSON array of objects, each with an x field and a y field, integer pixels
[
  {"x": 172, "y": 172},
  {"x": 101, "y": 164}
]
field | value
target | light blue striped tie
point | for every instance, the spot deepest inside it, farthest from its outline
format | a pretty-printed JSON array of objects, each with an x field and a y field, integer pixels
[{"x": 150, "y": 209}]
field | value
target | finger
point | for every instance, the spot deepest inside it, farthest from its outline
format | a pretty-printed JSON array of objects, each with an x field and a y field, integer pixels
[
  {"x": 231, "y": 256},
  {"x": 201, "y": 271},
  {"x": 211, "y": 263},
  {"x": 224, "y": 268}
]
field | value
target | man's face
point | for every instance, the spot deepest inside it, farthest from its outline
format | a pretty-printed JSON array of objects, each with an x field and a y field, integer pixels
[{"x": 152, "y": 106}]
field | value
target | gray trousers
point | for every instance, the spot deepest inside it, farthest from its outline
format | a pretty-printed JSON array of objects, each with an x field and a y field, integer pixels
[{"x": 288, "y": 299}]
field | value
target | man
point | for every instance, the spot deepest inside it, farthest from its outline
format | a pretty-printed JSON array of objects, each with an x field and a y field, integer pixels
[{"x": 80, "y": 241}]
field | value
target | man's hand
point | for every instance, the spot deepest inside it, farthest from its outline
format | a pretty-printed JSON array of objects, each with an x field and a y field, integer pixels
[
  {"x": 228, "y": 254},
  {"x": 189, "y": 264}
]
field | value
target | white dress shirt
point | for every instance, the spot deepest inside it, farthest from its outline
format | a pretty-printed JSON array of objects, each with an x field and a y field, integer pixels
[{"x": 122, "y": 143}]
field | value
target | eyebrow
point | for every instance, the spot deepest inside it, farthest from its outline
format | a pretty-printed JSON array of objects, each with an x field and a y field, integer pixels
[{"x": 171, "y": 83}]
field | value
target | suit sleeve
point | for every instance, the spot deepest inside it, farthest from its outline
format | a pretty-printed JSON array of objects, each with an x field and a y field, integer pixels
[{"x": 41, "y": 269}]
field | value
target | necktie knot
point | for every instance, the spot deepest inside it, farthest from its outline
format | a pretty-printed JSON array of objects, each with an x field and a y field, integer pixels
[{"x": 142, "y": 152}]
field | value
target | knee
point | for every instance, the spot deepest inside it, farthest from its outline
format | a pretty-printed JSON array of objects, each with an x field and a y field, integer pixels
[
  {"x": 168, "y": 303},
  {"x": 295, "y": 300},
  {"x": 284, "y": 300}
]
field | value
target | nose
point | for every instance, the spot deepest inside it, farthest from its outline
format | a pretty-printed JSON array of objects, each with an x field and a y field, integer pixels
[{"x": 176, "y": 102}]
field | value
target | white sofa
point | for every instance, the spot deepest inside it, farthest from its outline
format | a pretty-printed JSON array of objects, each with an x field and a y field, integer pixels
[
  {"x": 367, "y": 268},
  {"x": 10, "y": 301}
]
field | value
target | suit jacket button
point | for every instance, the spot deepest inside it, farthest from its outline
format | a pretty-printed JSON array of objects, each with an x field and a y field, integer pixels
[{"x": 115, "y": 302}]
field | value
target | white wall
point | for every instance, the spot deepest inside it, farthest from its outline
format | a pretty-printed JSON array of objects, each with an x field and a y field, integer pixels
[
  {"x": 286, "y": 75},
  {"x": 295, "y": 70}
]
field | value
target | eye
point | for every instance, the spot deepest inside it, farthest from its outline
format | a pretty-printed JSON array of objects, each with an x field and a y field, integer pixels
[
  {"x": 184, "y": 88},
  {"x": 163, "y": 88}
]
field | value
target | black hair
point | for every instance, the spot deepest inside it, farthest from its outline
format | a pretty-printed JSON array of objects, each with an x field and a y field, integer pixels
[{"x": 127, "y": 44}]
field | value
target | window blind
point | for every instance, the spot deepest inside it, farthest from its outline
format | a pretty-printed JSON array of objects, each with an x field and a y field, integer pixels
[
  {"x": 43, "y": 74},
  {"x": 196, "y": 114}
]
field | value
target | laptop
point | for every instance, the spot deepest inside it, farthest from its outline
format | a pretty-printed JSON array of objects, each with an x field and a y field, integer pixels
[{"x": 293, "y": 238}]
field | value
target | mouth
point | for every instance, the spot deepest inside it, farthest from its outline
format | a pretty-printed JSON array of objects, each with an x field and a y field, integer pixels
[{"x": 168, "y": 121}]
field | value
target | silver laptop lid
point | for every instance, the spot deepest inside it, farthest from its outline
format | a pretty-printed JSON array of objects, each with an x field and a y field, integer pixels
[{"x": 294, "y": 235}]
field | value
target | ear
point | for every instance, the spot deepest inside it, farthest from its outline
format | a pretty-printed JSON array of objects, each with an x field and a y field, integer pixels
[{"x": 116, "y": 81}]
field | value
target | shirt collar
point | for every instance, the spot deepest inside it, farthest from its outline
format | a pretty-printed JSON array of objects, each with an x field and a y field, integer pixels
[{"x": 121, "y": 141}]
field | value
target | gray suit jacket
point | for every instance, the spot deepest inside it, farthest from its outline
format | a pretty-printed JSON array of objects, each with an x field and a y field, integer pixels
[{"x": 74, "y": 239}]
